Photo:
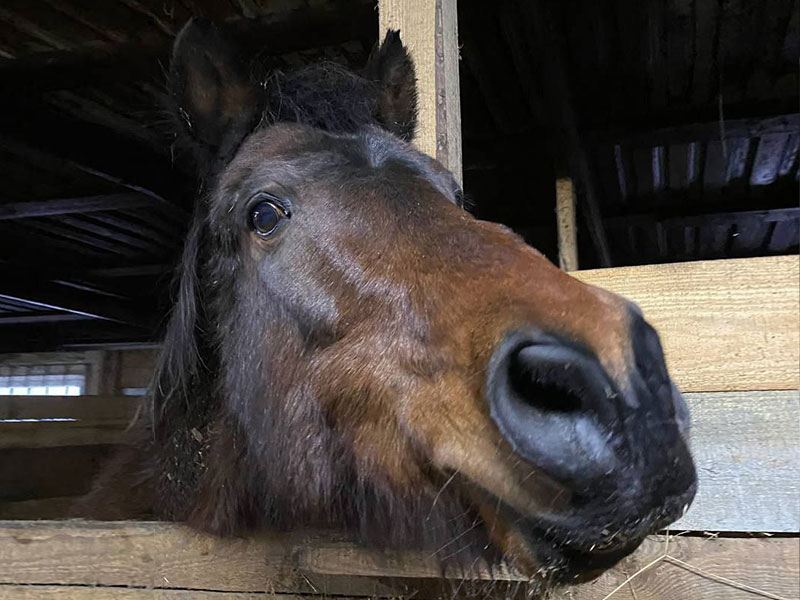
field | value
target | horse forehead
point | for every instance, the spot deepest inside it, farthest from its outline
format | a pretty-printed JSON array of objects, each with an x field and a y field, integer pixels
[{"x": 309, "y": 155}]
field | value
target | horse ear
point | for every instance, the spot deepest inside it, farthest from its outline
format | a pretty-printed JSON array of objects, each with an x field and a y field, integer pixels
[
  {"x": 391, "y": 67},
  {"x": 214, "y": 99}
]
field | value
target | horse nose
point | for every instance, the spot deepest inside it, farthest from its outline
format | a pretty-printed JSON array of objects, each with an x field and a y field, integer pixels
[
  {"x": 556, "y": 406},
  {"x": 650, "y": 378}
]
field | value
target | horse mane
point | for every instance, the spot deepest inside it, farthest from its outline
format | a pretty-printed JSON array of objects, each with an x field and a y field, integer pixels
[{"x": 326, "y": 96}]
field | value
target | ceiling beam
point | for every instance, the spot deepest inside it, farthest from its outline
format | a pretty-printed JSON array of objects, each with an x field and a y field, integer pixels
[
  {"x": 697, "y": 132},
  {"x": 559, "y": 93},
  {"x": 27, "y": 131},
  {"x": 82, "y": 205},
  {"x": 16, "y": 284},
  {"x": 289, "y": 31},
  {"x": 44, "y": 337},
  {"x": 678, "y": 216},
  {"x": 40, "y": 317}
]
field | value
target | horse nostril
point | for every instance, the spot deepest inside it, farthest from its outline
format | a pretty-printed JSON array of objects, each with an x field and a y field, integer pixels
[
  {"x": 555, "y": 405},
  {"x": 547, "y": 378}
]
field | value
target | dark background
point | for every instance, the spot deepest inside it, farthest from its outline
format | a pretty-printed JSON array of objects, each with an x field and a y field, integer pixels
[{"x": 677, "y": 121}]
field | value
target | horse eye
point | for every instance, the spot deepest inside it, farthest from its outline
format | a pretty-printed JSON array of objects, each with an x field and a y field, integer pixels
[{"x": 266, "y": 216}]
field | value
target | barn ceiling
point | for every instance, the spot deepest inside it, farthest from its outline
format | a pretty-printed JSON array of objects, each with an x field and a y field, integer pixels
[{"x": 677, "y": 120}]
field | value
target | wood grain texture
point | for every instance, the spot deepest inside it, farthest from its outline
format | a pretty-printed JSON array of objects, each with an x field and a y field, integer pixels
[
  {"x": 45, "y": 508},
  {"x": 768, "y": 565},
  {"x": 69, "y": 592},
  {"x": 31, "y": 473},
  {"x": 726, "y": 325},
  {"x": 746, "y": 446},
  {"x": 567, "y": 227},
  {"x": 97, "y": 409},
  {"x": 59, "y": 434},
  {"x": 429, "y": 28},
  {"x": 160, "y": 556}
]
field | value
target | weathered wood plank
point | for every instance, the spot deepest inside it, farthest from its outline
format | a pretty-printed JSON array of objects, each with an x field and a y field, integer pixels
[
  {"x": 567, "y": 228},
  {"x": 49, "y": 434},
  {"x": 29, "y": 473},
  {"x": 66, "y": 206},
  {"x": 769, "y": 566},
  {"x": 429, "y": 28},
  {"x": 746, "y": 447},
  {"x": 726, "y": 325},
  {"x": 696, "y": 132},
  {"x": 160, "y": 556},
  {"x": 58, "y": 507},
  {"x": 97, "y": 409},
  {"x": 69, "y": 592}
]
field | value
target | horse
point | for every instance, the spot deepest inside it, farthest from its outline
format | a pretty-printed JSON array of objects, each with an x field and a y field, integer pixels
[{"x": 350, "y": 348}]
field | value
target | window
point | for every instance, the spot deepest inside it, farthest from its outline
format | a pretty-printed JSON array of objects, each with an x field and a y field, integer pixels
[{"x": 43, "y": 380}]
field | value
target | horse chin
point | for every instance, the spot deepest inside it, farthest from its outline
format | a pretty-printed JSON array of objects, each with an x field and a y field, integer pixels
[
  {"x": 551, "y": 554},
  {"x": 566, "y": 550}
]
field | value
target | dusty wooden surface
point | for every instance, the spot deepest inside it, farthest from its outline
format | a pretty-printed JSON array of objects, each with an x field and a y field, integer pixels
[
  {"x": 770, "y": 566},
  {"x": 726, "y": 325},
  {"x": 429, "y": 28},
  {"x": 31, "y": 473},
  {"x": 79, "y": 420},
  {"x": 50, "y": 434},
  {"x": 158, "y": 556},
  {"x": 57, "y": 507},
  {"x": 567, "y": 226},
  {"x": 97, "y": 409},
  {"x": 746, "y": 446},
  {"x": 69, "y": 592}
]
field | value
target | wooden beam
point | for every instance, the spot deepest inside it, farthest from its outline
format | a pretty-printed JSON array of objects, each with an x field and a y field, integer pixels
[
  {"x": 567, "y": 227},
  {"x": 108, "y": 410},
  {"x": 60, "y": 434},
  {"x": 747, "y": 451},
  {"x": 46, "y": 316},
  {"x": 26, "y": 130},
  {"x": 558, "y": 91},
  {"x": 745, "y": 446},
  {"x": 166, "y": 557},
  {"x": 85, "y": 334},
  {"x": 30, "y": 473},
  {"x": 59, "y": 592},
  {"x": 429, "y": 28},
  {"x": 18, "y": 285},
  {"x": 142, "y": 57},
  {"x": 726, "y": 325},
  {"x": 697, "y": 132},
  {"x": 65, "y": 206},
  {"x": 681, "y": 218}
]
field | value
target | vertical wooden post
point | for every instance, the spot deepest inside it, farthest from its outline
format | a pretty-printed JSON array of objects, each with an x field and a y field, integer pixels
[
  {"x": 567, "y": 228},
  {"x": 429, "y": 28}
]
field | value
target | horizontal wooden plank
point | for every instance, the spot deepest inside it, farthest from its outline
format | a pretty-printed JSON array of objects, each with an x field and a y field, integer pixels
[
  {"x": 95, "y": 409},
  {"x": 53, "y": 421},
  {"x": 711, "y": 569},
  {"x": 70, "y": 592},
  {"x": 65, "y": 206},
  {"x": 58, "y": 507},
  {"x": 695, "y": 132},
  {"x": 31, "y": 473},
  {"x": 746, "y": 446},
  {"x": 58, "y": 434},
  {"x": 726, "y": 325},
  {"x": 161, "y": 556}
]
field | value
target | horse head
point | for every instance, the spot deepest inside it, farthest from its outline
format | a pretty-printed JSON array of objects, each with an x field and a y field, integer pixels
[{"x": 350, "y": 347}]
